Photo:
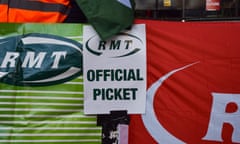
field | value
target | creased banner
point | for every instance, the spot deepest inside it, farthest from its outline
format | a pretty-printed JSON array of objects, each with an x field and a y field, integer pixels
[
  {"x": 41, "y": 89},
  {"x": 193, "y": 87}
]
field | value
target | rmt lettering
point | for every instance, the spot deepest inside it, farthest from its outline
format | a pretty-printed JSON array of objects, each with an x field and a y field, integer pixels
[{"x": 32, "y": 59}]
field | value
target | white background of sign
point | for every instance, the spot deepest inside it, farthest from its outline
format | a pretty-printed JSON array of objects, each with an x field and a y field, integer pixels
[{"x": 109, "y": 60}]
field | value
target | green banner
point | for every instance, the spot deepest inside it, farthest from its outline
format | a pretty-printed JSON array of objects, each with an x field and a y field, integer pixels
[{"x": 41, "y": 86}]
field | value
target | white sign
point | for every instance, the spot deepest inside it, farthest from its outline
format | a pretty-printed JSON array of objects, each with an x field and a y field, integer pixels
[{"x": 115, "y": 71}]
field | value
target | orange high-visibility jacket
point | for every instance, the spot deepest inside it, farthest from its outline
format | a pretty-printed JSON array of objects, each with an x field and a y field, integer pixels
[{"x": 34, "y": 10}]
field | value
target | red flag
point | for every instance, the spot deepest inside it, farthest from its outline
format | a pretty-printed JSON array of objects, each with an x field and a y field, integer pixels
[{"x": 193, "y": 84}]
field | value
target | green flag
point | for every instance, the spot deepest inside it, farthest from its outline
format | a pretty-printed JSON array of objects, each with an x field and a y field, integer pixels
[{"x": 108, "y": 17}]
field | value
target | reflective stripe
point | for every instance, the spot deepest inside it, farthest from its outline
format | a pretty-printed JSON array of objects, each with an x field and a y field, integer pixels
[{"x": 38, "y": 6}]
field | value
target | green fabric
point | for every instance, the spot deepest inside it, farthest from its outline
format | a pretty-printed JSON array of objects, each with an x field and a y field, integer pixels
[
  {"x": 47, "y": 114},
  {"x": 108, "y": 17}
]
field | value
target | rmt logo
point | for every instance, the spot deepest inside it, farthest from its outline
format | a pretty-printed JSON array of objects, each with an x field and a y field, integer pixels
[
  {"x": 39, "y": 59},
  {"x": 121, "y": 46},
  {"x": 224, "y": 110}
]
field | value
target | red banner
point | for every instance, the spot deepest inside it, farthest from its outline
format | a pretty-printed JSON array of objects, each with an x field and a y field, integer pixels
[{"x": 193, "y": 93}]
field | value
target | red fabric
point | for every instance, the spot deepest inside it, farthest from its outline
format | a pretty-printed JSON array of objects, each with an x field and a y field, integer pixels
[{"x": 184, "y": 101}]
